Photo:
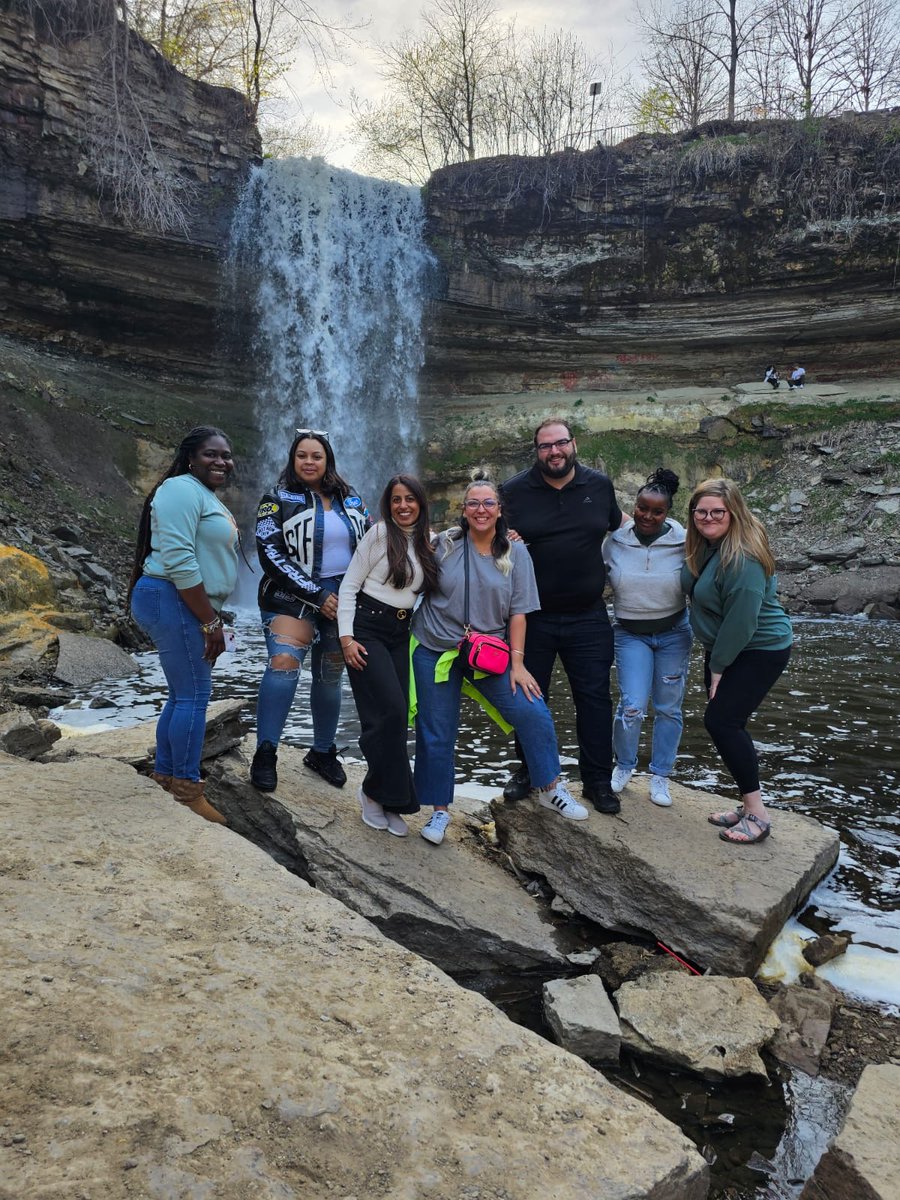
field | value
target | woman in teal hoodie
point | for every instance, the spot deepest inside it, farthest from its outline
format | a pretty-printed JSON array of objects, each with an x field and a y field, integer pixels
[{"x": 729, "y": 575}]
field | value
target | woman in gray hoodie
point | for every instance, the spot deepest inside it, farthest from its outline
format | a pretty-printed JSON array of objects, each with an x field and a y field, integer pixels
[{"x": 653, "y": 635}]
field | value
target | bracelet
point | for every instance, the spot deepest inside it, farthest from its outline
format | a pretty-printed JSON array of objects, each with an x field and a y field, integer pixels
[
  {"x": 211, "y": 626},
  {"x": 522, "y": 652}
]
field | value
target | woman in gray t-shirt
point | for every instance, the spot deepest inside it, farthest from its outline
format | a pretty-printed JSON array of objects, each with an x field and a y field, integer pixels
[{"x": 502, "y": 591}]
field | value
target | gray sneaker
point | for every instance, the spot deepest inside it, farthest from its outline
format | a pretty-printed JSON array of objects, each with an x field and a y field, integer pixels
[
  {"x": 561, "y": 800},
  {"x": 395, "y": 824},
  {"x": 436, "y": 828},
  {"x": 373, "y": 814}
]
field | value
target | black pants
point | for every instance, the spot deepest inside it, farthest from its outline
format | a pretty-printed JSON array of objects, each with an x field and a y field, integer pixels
[
  {"x": 381, "y": 692},
  {"x": 584, "y": 643},
  {"x": 743, "y": 687}
]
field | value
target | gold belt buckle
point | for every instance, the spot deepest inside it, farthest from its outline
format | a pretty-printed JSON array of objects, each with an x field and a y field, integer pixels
[{"x": 401, "y": 614}]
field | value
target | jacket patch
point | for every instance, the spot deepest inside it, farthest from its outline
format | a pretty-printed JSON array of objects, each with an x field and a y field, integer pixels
[
  {"x": 353, "y": 502},
  {"x": 294, "y": 497},
  {"x": 267, "y": 509},
  {"x": 266, "y": 528}
]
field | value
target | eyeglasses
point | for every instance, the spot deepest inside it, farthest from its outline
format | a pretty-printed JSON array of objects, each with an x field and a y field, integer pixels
[
  {"x": 316, "y": 433},
  {"x": 474, "y": 505},
  {"x": 559, "y": 444},
  {"x": 710, "y": 514}
]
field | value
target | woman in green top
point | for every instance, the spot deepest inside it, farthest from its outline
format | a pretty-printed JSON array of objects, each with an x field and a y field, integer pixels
[
  {"x": 729, "y": 574},
  {"x": 184, "y": 568}
]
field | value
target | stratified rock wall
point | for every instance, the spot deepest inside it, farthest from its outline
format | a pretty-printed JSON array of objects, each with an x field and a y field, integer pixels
[
  {"x": 677, "y": 260},
  {"x": 71, "y": 272}
]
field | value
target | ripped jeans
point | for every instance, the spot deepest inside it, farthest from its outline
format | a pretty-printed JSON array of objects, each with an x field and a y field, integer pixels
[
  {"x": 279, "y": 685},
  {"x": 651, "y": 666}
]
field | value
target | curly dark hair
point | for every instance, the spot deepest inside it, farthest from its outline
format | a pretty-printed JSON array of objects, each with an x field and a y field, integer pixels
[{"x": 661, "y": 483}]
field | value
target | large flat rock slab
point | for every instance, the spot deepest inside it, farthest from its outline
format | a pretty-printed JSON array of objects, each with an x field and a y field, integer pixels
[
  {"x": 451, "y": 903},
  {"x": 186, "y": 1018},
  {"x": 84, "y": 659},
  {"x": 665, "y": 873},
  {"x": 134, "y": 744}
]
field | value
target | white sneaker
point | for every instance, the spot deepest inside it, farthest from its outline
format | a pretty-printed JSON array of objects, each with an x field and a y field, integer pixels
[
  {"x": 372, "y": 812},
  {"x": 620, "y": 778},
  {"x": 561, "y": 800},
  {"x": 659, "y": 791},
  {"x": 395, "y": 824},
  {"x": 436, "y": 828}
]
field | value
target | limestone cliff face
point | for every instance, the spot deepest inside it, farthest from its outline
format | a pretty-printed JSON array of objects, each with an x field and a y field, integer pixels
[
  {"x": 684, "y": 259},
  {"x": 71, "y": 272}
]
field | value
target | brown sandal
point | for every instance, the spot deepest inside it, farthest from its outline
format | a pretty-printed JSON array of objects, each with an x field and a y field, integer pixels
[
  {"x": 743, "y": 835},
  {"x": 727, "y": 819}
]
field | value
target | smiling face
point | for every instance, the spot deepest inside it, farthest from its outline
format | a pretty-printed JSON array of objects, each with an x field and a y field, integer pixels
[
  {"x": 650, "y": 512},
  {"x": 211, "y": 463},
  {"x": 404, "y": 506},
  {"x": 711, "y": 518},
  {"x": 481, "y": 508},
  {"x": 310, "y": 462},
  {"x": 556, "y": 450}
]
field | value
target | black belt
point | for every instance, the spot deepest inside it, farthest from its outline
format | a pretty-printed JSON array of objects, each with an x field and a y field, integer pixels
[{"x": 377, "y": 609}]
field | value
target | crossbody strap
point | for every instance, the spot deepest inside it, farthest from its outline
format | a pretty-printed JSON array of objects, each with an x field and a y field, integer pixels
[{"x": 466, "y": 569}]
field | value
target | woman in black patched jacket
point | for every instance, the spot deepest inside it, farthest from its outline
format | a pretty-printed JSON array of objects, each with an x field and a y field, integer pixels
[{"x": 306, "y": 531}]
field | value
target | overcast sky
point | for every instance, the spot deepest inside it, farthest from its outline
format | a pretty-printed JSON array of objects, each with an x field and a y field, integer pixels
[{"x": 603, "y": 29}]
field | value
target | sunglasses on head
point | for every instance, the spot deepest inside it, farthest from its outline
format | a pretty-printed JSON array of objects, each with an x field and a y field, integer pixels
[{"x": 316, "y": 433}]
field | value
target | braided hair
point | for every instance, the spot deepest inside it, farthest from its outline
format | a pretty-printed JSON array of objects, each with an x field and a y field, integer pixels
[{"x": 661, "y": 483}]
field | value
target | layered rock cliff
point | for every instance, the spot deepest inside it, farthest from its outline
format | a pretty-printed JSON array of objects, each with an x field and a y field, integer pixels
[
  {"x": 72, "y": 272},
  {"x": 689, "y": 259}
]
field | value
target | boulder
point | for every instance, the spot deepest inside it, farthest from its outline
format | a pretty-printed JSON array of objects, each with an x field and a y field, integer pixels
[
  {"x": 826, "y": 947},
  {"x": 805, "y": 1012},
  {"x": 84, "y": 660},
  {"x": 665, "y": 875},
  {"x": 134, "y": 744},
  {"x": 704, "y": 1023},
  {"x": 619, "y": 962},
  {"x": 185, "y": 1017},
  {"x": 850, "y": 591},
  {"x": 582, "y": 1018},
  {"x": 838, "y": 552},
  {"x": 21, "y": 734},
  {"x": 450, "y": 904},
  {"x": 863, "y": 1161}
]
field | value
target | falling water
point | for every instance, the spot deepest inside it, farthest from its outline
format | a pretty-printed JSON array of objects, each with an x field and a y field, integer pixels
[{"x": 337, "y": 268}]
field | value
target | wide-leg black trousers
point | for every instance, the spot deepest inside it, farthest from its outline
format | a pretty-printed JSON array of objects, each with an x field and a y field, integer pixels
[{"x": 381, "y": 692}]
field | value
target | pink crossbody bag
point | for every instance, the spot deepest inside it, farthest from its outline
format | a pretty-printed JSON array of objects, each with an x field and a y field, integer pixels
[{"x": 482, "y": 651}]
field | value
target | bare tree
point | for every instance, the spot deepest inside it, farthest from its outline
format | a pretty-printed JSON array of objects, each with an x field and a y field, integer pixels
[
  {"x": 765, "y": 88},
  {"x": 553, "y": 101},
  {"x": 813, "y": 34},
  {"x": 868, "y": 66},
  {"x": 682, "y": 64}
]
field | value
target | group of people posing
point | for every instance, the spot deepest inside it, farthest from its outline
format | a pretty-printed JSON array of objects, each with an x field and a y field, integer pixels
[
  {"x": 795, "y": 378},
  {"x": 525, "y": 563}
]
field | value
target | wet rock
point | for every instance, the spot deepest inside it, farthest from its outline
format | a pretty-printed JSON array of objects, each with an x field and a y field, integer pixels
[
  {"x": 36, "y": 696},
  {"x": 25, "y": 737},
  {"x": 450, "y": 904},
  {"x": 703, "y": 1023},
  {"x": 619, "y": 962},
  {"x": 849, "y": 592},
  {"x": 863, "y": 1161},
  {"x": 805, "y": 1012},
  {"x": 84, "y": 660},
  {"x": 134, "y": 744},
  {"x": 823, "y": 949},
  {"x": 582, "y": 1018},
  {"x": 838, "y": 552},
  {"x": 673, "y": 880},
  {"x": 268, "y": 1026}
]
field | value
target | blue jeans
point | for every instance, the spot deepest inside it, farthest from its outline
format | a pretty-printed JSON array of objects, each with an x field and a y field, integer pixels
[
  {"x": 159, "y": 610},
  {"x": 651, "y": 666},
  {"x": 437, "y": 726},
  {"x": 279, "y": 686}
]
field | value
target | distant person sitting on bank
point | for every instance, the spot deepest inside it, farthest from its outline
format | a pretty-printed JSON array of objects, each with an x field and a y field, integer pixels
[
  {"x": 798, "y": 377},
  {"x": 729, "y": 575},
  {"x": 771, "y": 377}
]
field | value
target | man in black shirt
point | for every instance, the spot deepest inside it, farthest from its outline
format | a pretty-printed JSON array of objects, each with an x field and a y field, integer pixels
[{"x": 563, "y": 511}]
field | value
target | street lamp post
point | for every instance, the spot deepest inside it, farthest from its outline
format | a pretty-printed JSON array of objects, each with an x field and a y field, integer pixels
[{"x": 596, "y": 89}]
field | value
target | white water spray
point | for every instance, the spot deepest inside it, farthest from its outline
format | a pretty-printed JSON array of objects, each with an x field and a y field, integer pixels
[{"x": 338, "y": 263}]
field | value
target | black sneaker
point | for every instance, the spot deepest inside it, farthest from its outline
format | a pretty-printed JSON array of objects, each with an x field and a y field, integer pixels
[
  {"x": 262, "y": 770},
  {"x": 518, "y": 786},
  {"x": 327, "y": 766},
  {"x": 603, "y": 798}
]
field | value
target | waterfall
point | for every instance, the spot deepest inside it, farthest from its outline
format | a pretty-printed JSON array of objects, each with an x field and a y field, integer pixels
[{"x": 336, "y": 265}]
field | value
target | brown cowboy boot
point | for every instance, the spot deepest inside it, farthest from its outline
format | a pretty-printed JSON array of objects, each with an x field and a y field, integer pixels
[
  {"x": 164, "y": 781},
  {"x": 190, "y": 794}
]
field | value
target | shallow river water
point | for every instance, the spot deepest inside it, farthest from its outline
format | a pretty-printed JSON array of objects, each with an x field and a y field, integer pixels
[{"x": 828, "y": 742}]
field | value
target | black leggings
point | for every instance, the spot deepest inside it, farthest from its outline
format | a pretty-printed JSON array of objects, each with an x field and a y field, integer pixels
[{"x": 742, "y": 688}]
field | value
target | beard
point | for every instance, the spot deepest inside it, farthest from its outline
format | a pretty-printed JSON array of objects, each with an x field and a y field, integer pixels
[{"x": 560, "y": 470}]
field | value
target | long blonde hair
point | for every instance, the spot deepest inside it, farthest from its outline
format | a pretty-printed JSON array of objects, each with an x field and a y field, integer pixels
[{"x": 746, "y": 537}]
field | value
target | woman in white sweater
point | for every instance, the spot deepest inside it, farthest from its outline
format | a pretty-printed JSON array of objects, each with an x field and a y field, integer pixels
[
  {"x": 652, "y": 633},
  {"x": 393, "y": 565}
]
